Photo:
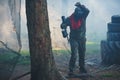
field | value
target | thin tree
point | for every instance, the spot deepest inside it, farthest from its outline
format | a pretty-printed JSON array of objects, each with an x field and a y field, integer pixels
[{"x": 42, "y": 61}]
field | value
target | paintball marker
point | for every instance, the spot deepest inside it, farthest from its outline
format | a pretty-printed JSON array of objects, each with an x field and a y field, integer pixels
[
  {"x": 63, "y": 27},
  {"x": 63, "y": 22}
]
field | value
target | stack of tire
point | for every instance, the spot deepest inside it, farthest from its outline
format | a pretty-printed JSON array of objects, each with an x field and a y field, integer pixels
[{"x": 110, "y": 48}]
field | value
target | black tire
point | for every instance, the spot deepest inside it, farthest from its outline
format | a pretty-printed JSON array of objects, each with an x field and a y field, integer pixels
[
  {"x": 110, "y": 52},
  {"x": 106, "y": 53},
  {"x": 113, "y": 27},
  {"x": 115, "y": 19},
  {"x": 113, "y": 36}
]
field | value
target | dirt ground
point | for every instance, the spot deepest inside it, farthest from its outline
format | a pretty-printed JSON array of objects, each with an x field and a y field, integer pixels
[
  {"x": 95, "y": 70},
  {"x": 19, "y": 70}
]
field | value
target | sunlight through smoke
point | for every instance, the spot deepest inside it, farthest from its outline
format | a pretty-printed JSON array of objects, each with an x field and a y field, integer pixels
[{"x": 100, "y": 14}]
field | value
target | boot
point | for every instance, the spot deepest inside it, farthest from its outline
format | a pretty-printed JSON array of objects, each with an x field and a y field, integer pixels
[
  {"x": 70, "y": 73},
  {"x": 83, "y": 70}
]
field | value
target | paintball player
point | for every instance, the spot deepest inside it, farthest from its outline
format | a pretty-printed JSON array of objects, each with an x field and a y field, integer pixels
[{"x": 77, "y": 24}]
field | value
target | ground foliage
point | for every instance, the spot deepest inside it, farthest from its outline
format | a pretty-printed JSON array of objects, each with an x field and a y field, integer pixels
[{"x": 93, "y": 66}]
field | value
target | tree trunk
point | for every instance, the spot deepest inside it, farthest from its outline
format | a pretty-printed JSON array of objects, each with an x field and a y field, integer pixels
[{"x": 42, "y": 61}]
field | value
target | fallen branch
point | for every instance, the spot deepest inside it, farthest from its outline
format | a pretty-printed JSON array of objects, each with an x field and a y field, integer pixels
[
  {"x": 18, "y": 77},
  {"x": 17, "y": 53},
  {"x": 103, "y": 69}
]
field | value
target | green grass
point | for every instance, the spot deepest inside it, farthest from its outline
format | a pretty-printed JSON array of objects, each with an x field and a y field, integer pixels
[
  {"x": 107, "y": 75},
  {"x": 111, "y": 75},
  {"x": 60, "y": 52},
  {"x": 24, "y": 61},
  {"x": 25, "y": 53},
  {"x": 8, "y": 58},
  {"x": 25, "y": 58},
  {"x": 91, "y": 48}
]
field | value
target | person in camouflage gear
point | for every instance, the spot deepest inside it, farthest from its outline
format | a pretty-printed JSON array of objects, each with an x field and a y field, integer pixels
[{"x": 77, "y": 24}]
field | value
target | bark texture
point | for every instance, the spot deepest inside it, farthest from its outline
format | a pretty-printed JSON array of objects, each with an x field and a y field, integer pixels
[{"x": 42, "y": 61}]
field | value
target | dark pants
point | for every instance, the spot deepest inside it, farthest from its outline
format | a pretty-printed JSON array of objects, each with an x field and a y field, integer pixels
[{"x": 77, "y": 46}]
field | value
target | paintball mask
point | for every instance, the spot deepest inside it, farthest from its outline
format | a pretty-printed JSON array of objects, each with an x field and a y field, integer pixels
[{"x": 78, "y": 12}]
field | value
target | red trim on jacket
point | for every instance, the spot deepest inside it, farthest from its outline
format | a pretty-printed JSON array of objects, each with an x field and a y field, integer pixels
[{"x": 75, "y": 24}]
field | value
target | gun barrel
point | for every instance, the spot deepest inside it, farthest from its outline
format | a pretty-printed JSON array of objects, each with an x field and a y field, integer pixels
[{"x": 63, "y": 19}]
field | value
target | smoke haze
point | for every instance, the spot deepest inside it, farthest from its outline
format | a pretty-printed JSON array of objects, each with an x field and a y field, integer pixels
[{"x": 100, "y": 14}]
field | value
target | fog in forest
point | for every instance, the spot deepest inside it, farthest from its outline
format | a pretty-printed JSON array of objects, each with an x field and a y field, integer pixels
[
  {"x": 8, "y": 27},
  {"x": 13, "y": 25},
  {"x": 100, "y": 14}
]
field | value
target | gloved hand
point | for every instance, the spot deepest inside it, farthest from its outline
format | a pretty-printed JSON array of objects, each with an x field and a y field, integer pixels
[{"x": 64, "y": 33}]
